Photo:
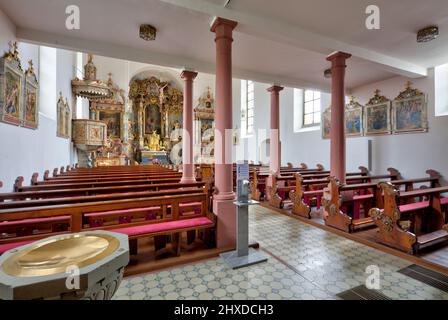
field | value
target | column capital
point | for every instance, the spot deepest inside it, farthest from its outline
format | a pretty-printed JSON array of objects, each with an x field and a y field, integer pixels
[
  {"x": 275, "y": 88},
  {"x": 338, "y": 56},
  {"x": 221, "y": 21},
  {"x": 188, "y": 75}
]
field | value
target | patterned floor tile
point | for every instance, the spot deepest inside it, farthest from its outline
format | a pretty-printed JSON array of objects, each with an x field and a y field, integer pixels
[{"x": 305, "y": 263}]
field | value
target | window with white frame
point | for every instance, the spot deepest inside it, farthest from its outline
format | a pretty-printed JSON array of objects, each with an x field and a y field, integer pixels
[
  {"x": 311, "y": 108},
  {"x": 247, "y": 106}
]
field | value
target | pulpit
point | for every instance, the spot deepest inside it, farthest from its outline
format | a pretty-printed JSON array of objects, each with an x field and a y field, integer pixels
[{"x": 88, "y": 137}]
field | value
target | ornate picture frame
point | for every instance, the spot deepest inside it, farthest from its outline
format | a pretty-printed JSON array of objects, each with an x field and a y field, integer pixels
[
  {"x": 31, "y": 99},
  {"x": 326, "y": 123},
  {"x": 410, "y": 111},
  {"x": 377, "y": 115},
  {"x": 353, "y": 118},
  {"x": 11, "y": 86},
  {"x": 62, "y": 125}
]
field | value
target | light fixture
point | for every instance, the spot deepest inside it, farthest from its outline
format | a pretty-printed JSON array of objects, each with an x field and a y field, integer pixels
[
  {"x": 327, "y": 73},
  {"x": 427, "y": 34},
  {"x": 147, "y": 32}
]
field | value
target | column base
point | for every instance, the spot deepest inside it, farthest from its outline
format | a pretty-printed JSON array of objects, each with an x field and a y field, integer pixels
[
  {"x": 187, "y": 180},
  {"x": 225, "y": 212}
]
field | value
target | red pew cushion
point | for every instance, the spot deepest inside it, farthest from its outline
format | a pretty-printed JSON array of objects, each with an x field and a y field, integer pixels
[
  {"x": 35, "y": 221},
  {"x": 106, "y": 213},
  {"x": 444, "y": 201},
  {"x": 8, "y": 246},
  {"x": 414, "y": 206},
  {"x": 363, "y": 197},
  {"x": 165, "y": 226}
]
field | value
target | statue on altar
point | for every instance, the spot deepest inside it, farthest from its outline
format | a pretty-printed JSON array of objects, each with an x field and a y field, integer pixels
[{"x": 154, "y": 141}]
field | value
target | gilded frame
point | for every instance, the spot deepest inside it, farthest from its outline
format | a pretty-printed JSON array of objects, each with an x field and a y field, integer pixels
[
  {"x": 377, "y": 116},
  {"x": 354, "y": 119},
  {"x": 31, "y": 99},
  {"x": 410, "y": 112},
  {"x": 326, "y": 123},
  {"x": 11, "y": 74}
]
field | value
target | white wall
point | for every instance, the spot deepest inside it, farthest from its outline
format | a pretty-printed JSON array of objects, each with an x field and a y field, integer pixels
[
  {"x": 25, "y": 151},
  {"x": 412, "y": 154},
  {"x": 306, "y": 145}
]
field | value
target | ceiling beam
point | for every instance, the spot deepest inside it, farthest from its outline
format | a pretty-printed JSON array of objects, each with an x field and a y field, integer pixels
[
  {"x": 152, "y": 57},
  {"x": 280, "y": 31}
]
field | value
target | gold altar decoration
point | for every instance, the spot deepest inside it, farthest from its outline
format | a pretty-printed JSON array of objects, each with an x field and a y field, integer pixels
[
  {"x": 154, "y": 141},
  {"x": 112, "y": 153},
  {"x": 111, "y": 109},
  {"x": 204, "y": 115},
  {"x": 45, "y": 258},
  {"x": 158, "y": 108},
  {"x": 90, "y": 87}
]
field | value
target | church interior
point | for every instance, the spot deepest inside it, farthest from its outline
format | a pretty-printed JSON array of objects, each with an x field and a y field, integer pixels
[{"x": 223, "y": 150}]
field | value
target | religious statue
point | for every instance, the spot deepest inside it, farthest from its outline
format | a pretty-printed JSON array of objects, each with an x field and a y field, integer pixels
[{"x": 154, "y": 141}]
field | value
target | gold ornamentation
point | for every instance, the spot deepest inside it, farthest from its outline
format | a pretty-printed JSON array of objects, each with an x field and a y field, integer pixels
[
  {"x": 409, "y": 92},
  {"x": 148, "y": 32},
  {"x": 377, "y": 98},
  {"x": 90, "y": 88}
]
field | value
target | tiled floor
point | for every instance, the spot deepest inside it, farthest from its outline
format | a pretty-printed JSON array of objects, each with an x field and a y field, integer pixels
[{"x": 304, "y": 263}]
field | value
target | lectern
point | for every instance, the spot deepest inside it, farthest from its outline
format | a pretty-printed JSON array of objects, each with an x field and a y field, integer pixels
[{"x": 243, "y": 256}]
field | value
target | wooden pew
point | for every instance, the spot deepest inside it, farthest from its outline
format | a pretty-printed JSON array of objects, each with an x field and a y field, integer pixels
[
  {"x": 89, "y": 191},
  {"x": 99, "y": 184},
  {"x": 276, "y": 200},
  {"x": 172, "y": 222},
  {"x": 414, "y": 226},
  {"x": 258, "y": 180},
  {"x": 338, "y": 198}
]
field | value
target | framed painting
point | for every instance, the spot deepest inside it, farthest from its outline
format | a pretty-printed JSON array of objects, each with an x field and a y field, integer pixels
[
  {"x": 409, "y": 111},
  {"x": 353, "y": 119},
  {"x": 326, "y": 123},
  {"x": 377, "y": 115},
  {"x": 11, "y": 82},
  {"x": 31, "y": 107},
  {"x": 67, "y": 121},
  {"x": 61, "y": 118},
  {"x": 113, "y": 122}
]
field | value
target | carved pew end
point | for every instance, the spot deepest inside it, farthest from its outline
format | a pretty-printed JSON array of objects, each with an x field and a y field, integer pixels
[
  {"x": 303, "y": 166},
  {"x": 18, "y": 183},
  {"x": 364, "y": 171},
  {"x": 320, "y": 167},
  {"x": 395, "y": 174},
  {"x": 47, "y": 174},
  {"x": 34, "y": 178},
  {"x": 55, "y": 172}
]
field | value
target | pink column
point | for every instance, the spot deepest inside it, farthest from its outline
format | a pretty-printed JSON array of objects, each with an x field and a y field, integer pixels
[
  {"x": 187, "y": 137},
  {"x": 223, "y": 205},
  {"x": 275, "y": 147},
  {"x": 337, "y": 134}
]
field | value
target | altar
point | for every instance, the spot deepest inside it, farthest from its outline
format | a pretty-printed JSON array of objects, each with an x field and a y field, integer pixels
[
  {"x": 157, "y": 108},
  {"x": 154, "y": 157}
]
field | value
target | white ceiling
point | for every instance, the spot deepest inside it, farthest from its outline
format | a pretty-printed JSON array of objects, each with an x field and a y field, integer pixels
[{"x": 281, "y": 41}]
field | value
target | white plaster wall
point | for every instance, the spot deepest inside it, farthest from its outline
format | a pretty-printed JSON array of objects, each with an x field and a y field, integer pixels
[
  {"x": 306, "y": 146},
  {"x": 25, "y": 151},
  {"x": 412, "y": 154}
]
